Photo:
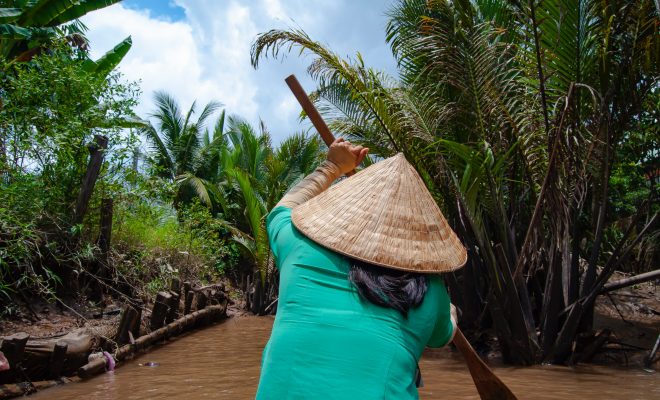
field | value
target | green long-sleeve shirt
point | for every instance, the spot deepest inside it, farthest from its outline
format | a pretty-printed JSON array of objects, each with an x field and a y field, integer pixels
[{"x": 327, "y": 342}]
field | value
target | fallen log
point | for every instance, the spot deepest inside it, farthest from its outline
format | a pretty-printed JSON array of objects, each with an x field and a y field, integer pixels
[
  {"x": 92, "y": 368},
  {"x": 193, "y": 320},
  {"x": 196, "y": 319},
  {"x": 23, "y": 388},
  {"x": 69, "y": 353},
  {"x": 633, "y": 280},
  {"x": 40, "y": 352}
]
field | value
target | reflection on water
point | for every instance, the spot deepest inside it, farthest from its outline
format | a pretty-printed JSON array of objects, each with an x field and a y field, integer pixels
[{"x": 222, "y": 362}]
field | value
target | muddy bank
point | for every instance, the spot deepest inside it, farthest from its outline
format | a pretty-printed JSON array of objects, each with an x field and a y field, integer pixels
[
  {"x": 633, "y": 316},
  {"x": 97, "y": 339}
]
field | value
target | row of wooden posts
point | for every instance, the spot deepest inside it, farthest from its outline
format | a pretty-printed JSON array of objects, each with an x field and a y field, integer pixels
[
  {"x": 165, "y": 320},
  {"x": 62, "y": 356}
]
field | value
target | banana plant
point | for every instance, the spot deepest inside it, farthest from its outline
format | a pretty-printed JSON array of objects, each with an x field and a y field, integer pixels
[{"x": 28, "y": 25}]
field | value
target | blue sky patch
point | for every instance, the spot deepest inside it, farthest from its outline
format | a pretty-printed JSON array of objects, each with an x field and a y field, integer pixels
[{"x": 163, "y": 9}]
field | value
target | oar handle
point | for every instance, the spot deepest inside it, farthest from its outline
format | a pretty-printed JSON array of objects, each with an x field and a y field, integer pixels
[{"x": 311, "y": 112}]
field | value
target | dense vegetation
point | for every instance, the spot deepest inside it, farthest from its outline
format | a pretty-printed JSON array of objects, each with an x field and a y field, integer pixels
[
  {"x": 192, "y": 206},
  {"x": 535, "y": 125}
]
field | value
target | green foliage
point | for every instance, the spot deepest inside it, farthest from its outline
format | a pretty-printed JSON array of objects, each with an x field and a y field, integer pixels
[
  {"x": 154, "y": 242},
  {"x": 635, "y": 171},
  {"x": 28, "y": 27},
  {"x": 50, "y": 108},
  {"x": 233, "y": 170},
  {"x": 535, "y": 126},
  {"x": 179, "y": 151}
]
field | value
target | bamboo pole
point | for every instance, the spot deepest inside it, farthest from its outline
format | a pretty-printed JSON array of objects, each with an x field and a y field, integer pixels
[{"x": 92, "y": 368}]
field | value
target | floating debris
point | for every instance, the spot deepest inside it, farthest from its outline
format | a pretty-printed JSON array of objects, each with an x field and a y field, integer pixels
[{"x": 149, "y": 364}]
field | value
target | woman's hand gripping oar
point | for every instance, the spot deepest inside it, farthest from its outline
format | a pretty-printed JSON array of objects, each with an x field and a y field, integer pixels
[{"x": 489, "y": 386}]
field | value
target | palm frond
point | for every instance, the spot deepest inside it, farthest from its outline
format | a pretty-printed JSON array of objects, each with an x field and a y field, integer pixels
[
  {"x": 163, "y": 156},
  {"x": 202, "y": 188},
  {"x": 169, "y": 117}
]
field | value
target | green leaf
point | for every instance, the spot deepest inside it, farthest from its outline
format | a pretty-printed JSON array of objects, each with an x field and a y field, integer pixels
[
  {"x": 81, "y": 9},
  {"x": 43, "y": 12},
  {"x": 10, "y": 14},
  {"x": 104, "y": 65},
  {"x": 8, "y": 31},
  {"x": 57, "y": 12}
]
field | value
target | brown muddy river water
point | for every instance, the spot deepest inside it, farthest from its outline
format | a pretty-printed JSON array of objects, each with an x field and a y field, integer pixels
[{"x": 222, "y": 362}]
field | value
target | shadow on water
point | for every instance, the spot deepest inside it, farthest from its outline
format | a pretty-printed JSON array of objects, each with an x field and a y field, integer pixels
[{"x": 222, "y": 362}]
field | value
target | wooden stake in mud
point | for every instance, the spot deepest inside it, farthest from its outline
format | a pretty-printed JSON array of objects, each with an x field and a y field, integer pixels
[
  {"x": 160, "y": 310},
  {"x": 57, "y": 359},
  {"x": 489, "y": 386}
]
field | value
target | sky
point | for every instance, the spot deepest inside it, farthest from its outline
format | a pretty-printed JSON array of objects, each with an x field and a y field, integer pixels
[{"x": 200, "y": 50}]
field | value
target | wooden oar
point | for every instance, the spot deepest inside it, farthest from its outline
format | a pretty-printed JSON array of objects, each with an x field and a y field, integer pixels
[
  {"x": 489, "y": 386},
  {"x": 311, "y": 112}
]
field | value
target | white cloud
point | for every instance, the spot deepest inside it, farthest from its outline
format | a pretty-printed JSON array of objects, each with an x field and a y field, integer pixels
[
  {"x": 163, "y": 56},
  {"x": 206, "y": 55},
  {"x": 169, "y": 56},
  {"x": 274, "y": 9}
]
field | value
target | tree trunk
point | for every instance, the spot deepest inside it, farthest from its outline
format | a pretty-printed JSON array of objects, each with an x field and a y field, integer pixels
[{"x": 96, "y": 150}]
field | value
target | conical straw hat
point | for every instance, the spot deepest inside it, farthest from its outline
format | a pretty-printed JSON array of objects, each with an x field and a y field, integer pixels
[{"x": 383, "y": 215}]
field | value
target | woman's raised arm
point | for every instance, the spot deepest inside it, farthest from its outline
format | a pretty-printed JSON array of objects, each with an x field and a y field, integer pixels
[{"x": 342, "y": 158}]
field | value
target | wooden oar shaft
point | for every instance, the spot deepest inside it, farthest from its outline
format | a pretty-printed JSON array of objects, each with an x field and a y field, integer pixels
[
  {"x": 489, "y": 386},
  {"x": 311, "y": 112}
]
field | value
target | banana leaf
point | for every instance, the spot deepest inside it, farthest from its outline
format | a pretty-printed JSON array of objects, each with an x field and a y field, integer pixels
[
  {"x": 109, "y": 60},
  {"x": 81, "y": 9},
  {"x": 10, "y": 14},
  {"x": 8, "y": 31}
]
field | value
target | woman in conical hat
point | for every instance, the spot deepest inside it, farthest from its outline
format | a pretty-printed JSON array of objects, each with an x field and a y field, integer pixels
[{"x": 360, "y": 288}]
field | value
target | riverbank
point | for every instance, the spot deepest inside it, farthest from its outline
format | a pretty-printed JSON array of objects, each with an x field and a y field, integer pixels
[
  {"x": 629, "y": 317},
  {"x": 73, "y": 340},
  {"x": 632, "y": 315}
]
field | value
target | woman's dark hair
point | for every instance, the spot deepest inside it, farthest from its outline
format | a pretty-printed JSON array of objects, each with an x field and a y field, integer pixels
[{"x": 388, "y": 287}]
